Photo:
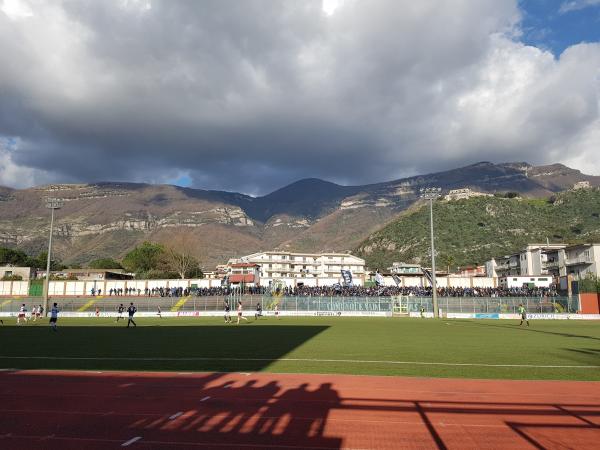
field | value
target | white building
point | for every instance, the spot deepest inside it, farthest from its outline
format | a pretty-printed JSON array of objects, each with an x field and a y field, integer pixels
[
  {"x": 529, "y": 281},
  {"x": 25, "y": 273},
  {"x": 533, "y": 260},
  {"x": 401, "y": 268},
  {"x": 581, "y": 185},
  {"x": 315, "y": 269},
  {"x": 459, "y": 194},
  {"x": 580, "y": 260}
]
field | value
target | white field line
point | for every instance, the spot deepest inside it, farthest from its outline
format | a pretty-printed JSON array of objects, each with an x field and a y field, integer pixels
[
  {"x": 357, "y": 361},
  {"x": 205, "y": 398},
  {"x": 168, "y": 444},
  {"x": 333, "y": 419},
  {"x": 130, "y": 441}
]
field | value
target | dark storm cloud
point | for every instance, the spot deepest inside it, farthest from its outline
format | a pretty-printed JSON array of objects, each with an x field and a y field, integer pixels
[{"x": 252, "y": 95}]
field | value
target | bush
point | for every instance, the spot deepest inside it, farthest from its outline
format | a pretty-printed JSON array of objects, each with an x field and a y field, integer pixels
[
  {"x": 590, "y": 284},
  {"x": 12, "y": 278}
]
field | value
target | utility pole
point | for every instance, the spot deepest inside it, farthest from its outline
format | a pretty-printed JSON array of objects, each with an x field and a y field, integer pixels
[
  {"x": 431, "y": 194},
  {"x": 51, "y": 204}
]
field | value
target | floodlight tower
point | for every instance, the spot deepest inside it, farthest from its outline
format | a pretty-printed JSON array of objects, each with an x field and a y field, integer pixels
[
  {"x": 52, "y": 204},
  {"x": 432, "y": 193}
]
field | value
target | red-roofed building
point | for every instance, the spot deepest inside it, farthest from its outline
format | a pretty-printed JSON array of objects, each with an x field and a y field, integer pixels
[
  {"x": 243, "y": 273},
  {"x": 237, "y": 279}
]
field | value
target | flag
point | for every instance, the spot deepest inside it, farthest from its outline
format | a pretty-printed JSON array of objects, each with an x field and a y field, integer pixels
[{"x": 347, "y": 276}]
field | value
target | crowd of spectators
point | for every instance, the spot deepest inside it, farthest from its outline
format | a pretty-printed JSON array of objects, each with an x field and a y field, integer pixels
[
  {"x": 335, "y": 291},
  {"x": 416, "y": 291}
]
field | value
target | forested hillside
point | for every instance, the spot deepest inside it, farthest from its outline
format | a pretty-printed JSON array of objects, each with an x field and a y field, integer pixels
[{"x": 471, "y": 231}]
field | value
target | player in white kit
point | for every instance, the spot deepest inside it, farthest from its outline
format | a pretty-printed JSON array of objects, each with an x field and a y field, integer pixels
[{"x": 240, "y": 312}]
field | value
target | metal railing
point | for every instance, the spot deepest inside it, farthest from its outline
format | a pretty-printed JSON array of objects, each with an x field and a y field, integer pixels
[{"x": 404, "y": 304}]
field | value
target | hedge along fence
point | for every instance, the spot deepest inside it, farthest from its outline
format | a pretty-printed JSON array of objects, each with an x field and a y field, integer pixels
[{"x": 589, "y": 285}]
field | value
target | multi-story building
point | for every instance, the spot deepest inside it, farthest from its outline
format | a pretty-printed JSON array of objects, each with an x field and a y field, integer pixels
[
  {"x": 580, "y": 260},
  {"x": 554, "y": 260},
  {"x": 533, "y": 260},
  {"x": 503, "y": 266},
  {"x": 279, "y": 264}
]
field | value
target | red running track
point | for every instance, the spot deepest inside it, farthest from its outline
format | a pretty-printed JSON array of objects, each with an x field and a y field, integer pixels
[{"x": 110, "y": 410}]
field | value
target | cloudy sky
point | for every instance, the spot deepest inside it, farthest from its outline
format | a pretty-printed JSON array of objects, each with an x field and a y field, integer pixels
[{"x": 250, "y": 95}]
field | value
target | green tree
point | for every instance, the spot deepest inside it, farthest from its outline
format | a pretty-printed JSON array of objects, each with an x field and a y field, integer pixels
[
  {"x": 144, "y": 258},
  {"x": 9, "y": 256},
  {"x": 39, "y": 262},
  {"x": 105, "y": 263}
]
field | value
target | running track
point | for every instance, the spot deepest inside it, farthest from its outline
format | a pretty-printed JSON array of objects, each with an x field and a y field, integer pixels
[{"x": 112, "y": 410}]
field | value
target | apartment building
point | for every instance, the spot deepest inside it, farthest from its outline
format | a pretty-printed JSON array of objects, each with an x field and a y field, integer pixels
[
  {"x": 553, "y": 260},
  {"x": 276, "y": 264},
  {"x": 580, "y": 260},
  {"x": 533, "y": 260}
]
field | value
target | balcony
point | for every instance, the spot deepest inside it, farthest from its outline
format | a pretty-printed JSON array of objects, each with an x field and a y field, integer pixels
[
  {"x": 579, "y": 261},
  {"x": 549, "y": 264}
]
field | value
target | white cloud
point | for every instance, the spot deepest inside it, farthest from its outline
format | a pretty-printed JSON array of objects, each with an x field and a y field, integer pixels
[
  {"x": 16, "y": 9},
  {"x": 574, "y": 5},
  {"x": 14, "y": 175},
  {"x": 251, "y": 95}
]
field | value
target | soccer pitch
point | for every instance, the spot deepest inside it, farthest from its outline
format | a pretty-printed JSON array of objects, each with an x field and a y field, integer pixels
[{"x": 559, "y": 350}]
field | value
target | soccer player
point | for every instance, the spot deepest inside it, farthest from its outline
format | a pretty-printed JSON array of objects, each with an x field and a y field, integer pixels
[
  {"x": 22, "y": 314},
  {"x": 258, "y": 311},
  {"x": 159, "y": 312},
  {"x": 54, "y": 317},
  {"x": 34, "y": 313},
  {"x": 227, "y": 315},
  {"x": 131, "y": 311},
  {"x": 97, "y": 311},
  {"x": 120, "y": 310},
  {"x": 277, "y": 310},
  {"x": 41, "y": 310},
  {"x": 240, "y": 312},
  {"x": 523, "y": 313}
]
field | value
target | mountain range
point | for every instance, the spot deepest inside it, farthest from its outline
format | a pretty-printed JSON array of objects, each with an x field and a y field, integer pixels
[{"x": 107, "y": 219}]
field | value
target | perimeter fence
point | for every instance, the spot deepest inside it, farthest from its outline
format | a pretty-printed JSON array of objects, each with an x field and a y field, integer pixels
[{"x": 402, "y": 305}]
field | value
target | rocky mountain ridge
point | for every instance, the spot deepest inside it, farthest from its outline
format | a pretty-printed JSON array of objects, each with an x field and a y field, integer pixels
[{"x": 107, "y": 219}]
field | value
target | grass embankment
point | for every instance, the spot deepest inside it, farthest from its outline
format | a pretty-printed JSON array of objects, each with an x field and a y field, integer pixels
[{"x": 373, "y": 346}]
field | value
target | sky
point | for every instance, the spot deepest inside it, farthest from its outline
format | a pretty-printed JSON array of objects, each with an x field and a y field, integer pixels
[{"x": 252, "y": 95}]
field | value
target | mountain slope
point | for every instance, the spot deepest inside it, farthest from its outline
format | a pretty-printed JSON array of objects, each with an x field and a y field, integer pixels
[
  {"x": 108, "y": 219},
  {"x": 474, "y": 230}
]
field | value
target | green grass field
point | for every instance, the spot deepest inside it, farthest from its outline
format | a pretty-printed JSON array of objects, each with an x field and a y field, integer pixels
[{"x": 373, "y": 346}]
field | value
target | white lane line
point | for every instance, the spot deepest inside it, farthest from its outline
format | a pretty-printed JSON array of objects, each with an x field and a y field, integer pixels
[
  {"x": 204, "y": 399},
  {"x": 130, "y": 441},
  {"x": 317, "y": 360},
  {"x": 176, "y": 415}
]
